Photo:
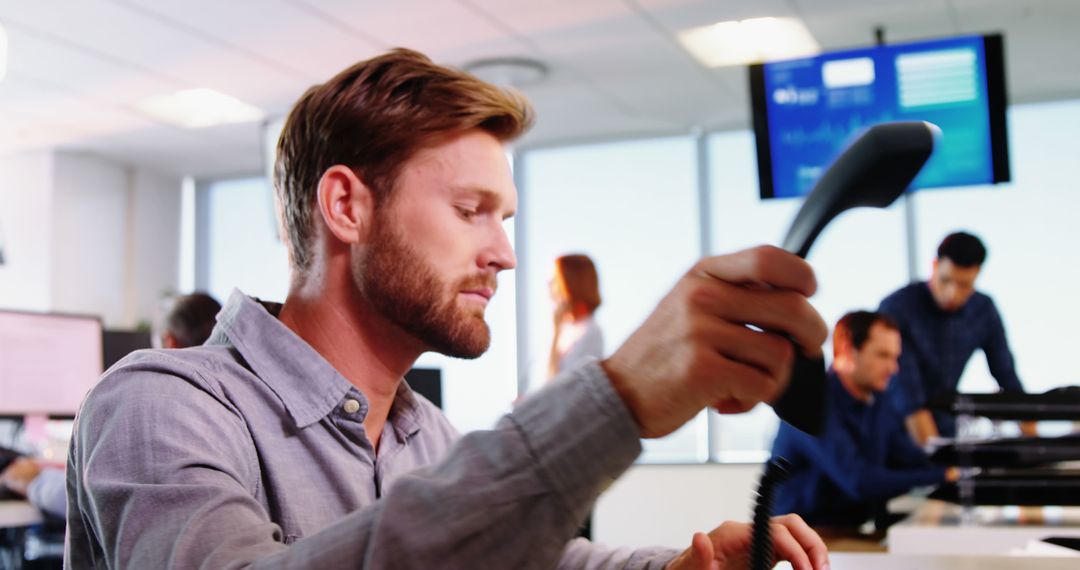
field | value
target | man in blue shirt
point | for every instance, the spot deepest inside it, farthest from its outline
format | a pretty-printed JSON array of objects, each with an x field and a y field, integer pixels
[
  {"x": 864, "y": 456},
  {"x": 942, "y": 322}
]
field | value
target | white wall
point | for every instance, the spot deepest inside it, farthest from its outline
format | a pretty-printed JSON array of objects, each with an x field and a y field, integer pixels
[
  {"x": 87, "y": 235},
  {"x": 154, "y": 243},
  {"x": 89, "y": 227},
  {"x": 25, "y": 223},
  {"x": 664, "y": 505}
]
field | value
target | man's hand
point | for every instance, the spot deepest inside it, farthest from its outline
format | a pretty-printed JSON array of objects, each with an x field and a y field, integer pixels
[
  {"x": 696, "y": 350},
  {"x": 19, "y": 474},
  {"x": 728, "y": 546}
]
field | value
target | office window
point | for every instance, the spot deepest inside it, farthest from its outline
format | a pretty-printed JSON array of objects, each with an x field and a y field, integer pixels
[
  {"x": 242, "y": 248},
  {"x": 632, "y": 206}
]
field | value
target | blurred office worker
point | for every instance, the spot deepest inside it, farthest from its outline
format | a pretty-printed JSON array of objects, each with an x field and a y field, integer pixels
[
  {"x": 575, "y": 292},
  {"x": 188, "y": 322},
  {"x": 289, "y": 440},
  {"x": 943, "y": 322},
  {"x": 864, "y": 456}
]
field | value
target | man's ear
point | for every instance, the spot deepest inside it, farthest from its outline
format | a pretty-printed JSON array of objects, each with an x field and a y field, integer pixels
[
  {"x": 843, "y": 351},
  {"x": 346, "y": 204}
]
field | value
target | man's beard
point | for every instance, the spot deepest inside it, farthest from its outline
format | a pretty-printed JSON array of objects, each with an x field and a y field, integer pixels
[{"x": 405, "y": 290}]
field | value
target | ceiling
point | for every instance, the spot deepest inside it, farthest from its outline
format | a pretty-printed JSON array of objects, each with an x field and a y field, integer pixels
[{"x": 77, "y": 68}]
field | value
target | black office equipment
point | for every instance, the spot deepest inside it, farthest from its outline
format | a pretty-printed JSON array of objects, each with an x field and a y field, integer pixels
[
  {"x": 1065, "y": 541},
  {"x": 777, "y": 470},
  {"x": 116, "y": 344},
  {"x": 1009, "y": 452},
  {"x": 427, "y": 382},
  {"x": 873, "y": 172},
  {"x": 1015, "y": 487},
  {"x": 1056, "y": 404},
  {"x": 1008, "y": 475}
]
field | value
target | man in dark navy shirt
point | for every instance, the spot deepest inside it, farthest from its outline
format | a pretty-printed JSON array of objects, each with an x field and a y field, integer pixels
[
  {"x": 864, "y": 456},
  {"x": 942, "y": 322}
]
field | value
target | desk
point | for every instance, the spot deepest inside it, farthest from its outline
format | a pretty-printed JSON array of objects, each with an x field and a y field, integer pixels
[
  {"x": 18, "y": 513},
  {"x": 935, "y": 528},
  {"x": 862, "y": 561}
]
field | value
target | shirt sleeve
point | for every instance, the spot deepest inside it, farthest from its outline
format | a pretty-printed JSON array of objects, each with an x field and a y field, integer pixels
[
  {"x": 580, "y": 554},
  {"x": 151, "y": 490},
  {"x": 48, "y": 492},
  {"x": 860, "y": 480},
  {"x": 999, "y": 358}
]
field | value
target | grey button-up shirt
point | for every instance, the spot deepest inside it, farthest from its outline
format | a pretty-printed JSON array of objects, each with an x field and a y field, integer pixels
[{"x": 250, "y": 451}]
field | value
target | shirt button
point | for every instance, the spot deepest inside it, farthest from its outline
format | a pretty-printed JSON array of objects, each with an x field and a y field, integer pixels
[{"x": 352, "y": 406}]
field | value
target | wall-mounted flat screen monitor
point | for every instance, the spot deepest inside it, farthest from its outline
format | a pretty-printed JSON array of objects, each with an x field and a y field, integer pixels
[
  {"x": 805, "y": 111},
  {"x": 48, "y": 362}
]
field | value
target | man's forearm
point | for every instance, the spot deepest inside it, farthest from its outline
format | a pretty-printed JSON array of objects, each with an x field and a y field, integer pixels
[{"x": 921, "y": 426}]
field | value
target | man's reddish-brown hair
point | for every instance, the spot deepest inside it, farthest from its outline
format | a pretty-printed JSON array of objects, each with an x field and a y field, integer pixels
[{"x": 372, "y": 118}]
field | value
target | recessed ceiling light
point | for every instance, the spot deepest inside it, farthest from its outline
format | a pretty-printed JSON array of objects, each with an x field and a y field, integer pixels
[
  {"x": 508, "y": 71},
  {"x": 749, "y": 41},
  {"x": 193, "y": 108}
]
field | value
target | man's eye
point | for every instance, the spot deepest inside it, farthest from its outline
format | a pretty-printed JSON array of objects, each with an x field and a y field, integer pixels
[{"x": 466, "y": 213}]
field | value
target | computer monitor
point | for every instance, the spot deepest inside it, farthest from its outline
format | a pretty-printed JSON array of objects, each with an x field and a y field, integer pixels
[
  {"x": 427, "y": 382},
  {"x": 48, "y": 362},
  {"x": 117, "y": 344}
]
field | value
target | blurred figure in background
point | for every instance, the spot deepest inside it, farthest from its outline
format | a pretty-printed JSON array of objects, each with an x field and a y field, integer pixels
[
  {"x": 575, "y": 290},
  {"x": 943, "y": 322},
  {"x": 189, "y": 320},
  {"x": 864, "y": 456}
]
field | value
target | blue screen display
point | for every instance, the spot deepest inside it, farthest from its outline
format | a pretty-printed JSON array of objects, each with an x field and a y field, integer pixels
[{"x": 813, "y": 107}]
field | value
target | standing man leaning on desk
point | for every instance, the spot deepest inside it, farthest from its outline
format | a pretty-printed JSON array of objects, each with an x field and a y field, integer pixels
[
  {"x": 290, "y": 440},
  {"x": 863, "y": 457},
  {"x": 943, "y": 322}
]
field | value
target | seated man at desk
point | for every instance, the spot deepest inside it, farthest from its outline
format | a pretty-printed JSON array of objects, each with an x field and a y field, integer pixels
[{"x": 864, "y": 456}]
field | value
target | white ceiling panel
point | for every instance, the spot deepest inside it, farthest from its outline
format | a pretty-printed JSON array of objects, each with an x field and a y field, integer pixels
[
  {"x": 529, "y": 18},
  {"x": 430, "y": 26},
  {"x": 78, "y": 66}
]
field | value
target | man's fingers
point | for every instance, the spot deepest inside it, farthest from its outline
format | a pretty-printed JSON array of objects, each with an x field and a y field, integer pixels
[
  {"x": 809, "y": 540},
  {"x": 702, "y": 548},
  {"x": 770, "y": 353},
  {"x": 768, "y": 309},
  {"x": 787, "y": 548},
  {"x": 763, "y": 266},
  {"x": 733, "y": 380}
]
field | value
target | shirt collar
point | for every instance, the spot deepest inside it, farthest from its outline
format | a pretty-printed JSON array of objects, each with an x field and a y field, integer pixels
[{"x": 307, "y": 384}]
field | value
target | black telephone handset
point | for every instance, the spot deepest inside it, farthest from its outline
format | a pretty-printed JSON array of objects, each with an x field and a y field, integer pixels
[{"x": 873, "y": 171}]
